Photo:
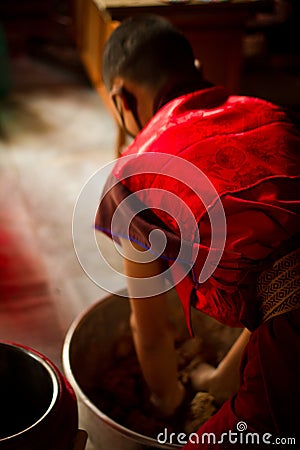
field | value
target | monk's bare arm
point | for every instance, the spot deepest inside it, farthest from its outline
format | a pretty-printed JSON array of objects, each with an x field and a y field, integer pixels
[{"x": 153, "y": 336}]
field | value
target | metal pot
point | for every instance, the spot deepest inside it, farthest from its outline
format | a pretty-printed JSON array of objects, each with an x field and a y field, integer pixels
[
  {"x": 88, "y": 346},
  {"x": 88, "y": 349},
  {"x": 38, "y": 406}
]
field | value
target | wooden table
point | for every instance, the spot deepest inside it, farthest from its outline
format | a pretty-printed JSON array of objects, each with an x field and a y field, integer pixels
[{"x": 214, "y": 29}]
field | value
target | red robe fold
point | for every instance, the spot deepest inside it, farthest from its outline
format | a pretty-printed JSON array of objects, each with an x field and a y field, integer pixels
[{"x": 249, "y": 150}]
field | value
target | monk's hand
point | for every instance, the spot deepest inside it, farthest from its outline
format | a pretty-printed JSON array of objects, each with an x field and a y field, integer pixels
[
  {"x": 168, "y": 405},
  {"x": 205, "y": 378},
  {"x": 201, "y": 377},
  {"x": 222, "y": 382}
]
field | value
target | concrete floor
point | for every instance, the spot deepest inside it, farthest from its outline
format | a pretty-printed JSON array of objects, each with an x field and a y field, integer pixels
[{"x": 54, "y": 134}]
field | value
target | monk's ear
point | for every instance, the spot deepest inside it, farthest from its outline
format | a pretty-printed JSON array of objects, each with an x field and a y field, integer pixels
[
  {"x": 125, "y": 102},
  {"x": 129, "y": 100}
]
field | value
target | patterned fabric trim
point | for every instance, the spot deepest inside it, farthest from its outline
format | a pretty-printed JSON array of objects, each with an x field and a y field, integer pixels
[{"x": 278, "y": 288}]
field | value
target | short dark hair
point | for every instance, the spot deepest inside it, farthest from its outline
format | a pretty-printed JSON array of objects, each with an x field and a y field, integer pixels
[{"x": 146, "y": 49}]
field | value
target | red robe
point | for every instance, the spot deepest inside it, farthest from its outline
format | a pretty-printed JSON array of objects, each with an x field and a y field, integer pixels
[{"x": 249, "y": 150}]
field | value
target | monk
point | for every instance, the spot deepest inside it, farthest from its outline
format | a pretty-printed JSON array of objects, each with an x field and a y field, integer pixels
[{"x": 207, "y": 197}]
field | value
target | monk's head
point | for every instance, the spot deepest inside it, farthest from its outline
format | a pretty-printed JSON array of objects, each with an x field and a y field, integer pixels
[{"x": 145, "y": 61}]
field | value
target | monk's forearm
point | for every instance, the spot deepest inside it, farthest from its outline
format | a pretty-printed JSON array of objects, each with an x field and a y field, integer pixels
[
  {"x": 153, "y": 336},
  {"x": 158, "y": 361},
  {"x": 222, "y": 382},
  {"x": 229, "y": 367},
  {"x": 225, "y": 380}
]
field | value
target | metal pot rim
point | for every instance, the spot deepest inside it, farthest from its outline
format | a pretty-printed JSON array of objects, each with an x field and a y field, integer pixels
[{"x": 52, "y": 375}]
